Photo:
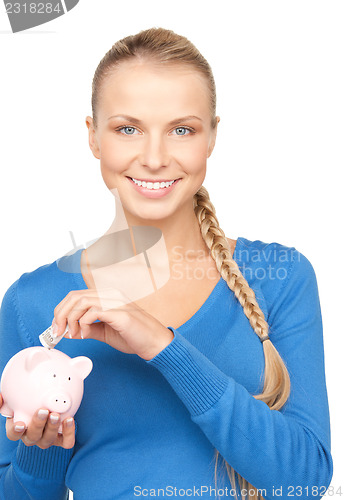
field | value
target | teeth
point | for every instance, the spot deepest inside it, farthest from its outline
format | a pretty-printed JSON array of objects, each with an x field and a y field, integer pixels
[{"x": 153, "y": 185}]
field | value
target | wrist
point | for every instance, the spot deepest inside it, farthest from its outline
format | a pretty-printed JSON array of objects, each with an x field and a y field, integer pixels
[{"x": 163, "y": 342}]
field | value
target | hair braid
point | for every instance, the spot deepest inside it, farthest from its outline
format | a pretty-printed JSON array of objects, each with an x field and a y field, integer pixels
[
  {"x": 276, "y": 388},
  {"x": 216, "y": 241}
]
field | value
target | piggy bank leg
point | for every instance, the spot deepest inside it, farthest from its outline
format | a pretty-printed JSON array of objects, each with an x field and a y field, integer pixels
[{"x": 60, "y": 429}]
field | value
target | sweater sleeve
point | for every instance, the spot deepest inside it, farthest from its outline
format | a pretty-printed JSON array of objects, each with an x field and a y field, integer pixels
[
  {"x": 26, "y": 472},
  {"x": 287, "y": 448}
]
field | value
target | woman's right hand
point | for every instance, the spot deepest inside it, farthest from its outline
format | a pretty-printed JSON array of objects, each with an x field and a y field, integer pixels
[{"x": 42, "y": 432}]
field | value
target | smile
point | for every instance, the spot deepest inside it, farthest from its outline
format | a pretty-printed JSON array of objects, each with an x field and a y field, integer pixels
[
  {"x": 153, "y": 189},
  {"x": 153, "y": 184}
]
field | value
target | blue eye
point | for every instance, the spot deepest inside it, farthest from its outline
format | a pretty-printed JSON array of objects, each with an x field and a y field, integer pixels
[
  {"x": 183, "y": 130},
  {"x": 129, "y": 129}
]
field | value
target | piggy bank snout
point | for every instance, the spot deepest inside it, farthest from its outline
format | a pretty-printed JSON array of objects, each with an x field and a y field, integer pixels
[{"x": 59, "y": 402}]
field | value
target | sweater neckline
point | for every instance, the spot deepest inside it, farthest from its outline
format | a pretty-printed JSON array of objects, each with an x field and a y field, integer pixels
[{"x": 209, "y": 301}]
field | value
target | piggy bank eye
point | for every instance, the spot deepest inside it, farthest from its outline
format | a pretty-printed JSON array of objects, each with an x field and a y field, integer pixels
[
  {"x": 68, "y": 378},
  {"x": 54, "y": 375}
]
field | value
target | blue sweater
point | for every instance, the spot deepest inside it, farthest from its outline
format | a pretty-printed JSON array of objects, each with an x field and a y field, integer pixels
[{"x": 150, "y": 428}]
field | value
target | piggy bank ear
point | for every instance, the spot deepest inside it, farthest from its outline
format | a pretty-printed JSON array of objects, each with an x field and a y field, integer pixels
[
  {"x": 34, "y": 358},
  {"x": 82, "y": 365}
]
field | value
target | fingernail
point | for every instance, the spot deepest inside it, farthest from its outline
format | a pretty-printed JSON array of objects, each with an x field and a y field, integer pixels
[
  {"x": 69, "y": 422},
  {"x": 19, "y": 428},
  {"x": 81, "y": 334},
  {"x": 42, "y": 414},
  {"x": 54, "y": 419}
]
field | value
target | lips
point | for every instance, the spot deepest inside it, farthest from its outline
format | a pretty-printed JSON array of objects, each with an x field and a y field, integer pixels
[
  {"x": 153, "y": 193},
  {"x": 152, "y": 180}
]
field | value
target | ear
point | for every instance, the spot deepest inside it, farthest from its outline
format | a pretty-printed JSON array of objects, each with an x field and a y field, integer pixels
[
  {"x": 82, "y": 365},
  {"x": 36, "y": 357},
  {"x": 92, "y": 139},
  {"x": 213, "y": 138}
]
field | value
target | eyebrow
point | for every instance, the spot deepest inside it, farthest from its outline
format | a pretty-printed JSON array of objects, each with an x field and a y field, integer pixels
[{"x": 173, "y": 122}]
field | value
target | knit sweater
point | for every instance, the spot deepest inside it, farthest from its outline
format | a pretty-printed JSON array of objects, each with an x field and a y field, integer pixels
[{"x": 151, "y": 428}]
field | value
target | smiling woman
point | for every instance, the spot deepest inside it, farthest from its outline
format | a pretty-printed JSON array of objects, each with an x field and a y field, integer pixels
[{"x": 209, "y": 370}]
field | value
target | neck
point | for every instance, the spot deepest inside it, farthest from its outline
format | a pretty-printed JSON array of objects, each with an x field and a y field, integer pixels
[{"x": 181, "y": 231}]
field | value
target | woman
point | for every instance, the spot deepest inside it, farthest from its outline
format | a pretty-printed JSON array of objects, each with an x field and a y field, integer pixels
[{"x": 208, "y": 383}]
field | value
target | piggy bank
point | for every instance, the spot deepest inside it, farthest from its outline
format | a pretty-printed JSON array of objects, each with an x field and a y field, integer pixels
[{"x": 38, "y": 377}]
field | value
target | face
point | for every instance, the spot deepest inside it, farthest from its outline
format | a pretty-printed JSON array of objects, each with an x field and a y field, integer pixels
[{"x": 153, "y": 125}]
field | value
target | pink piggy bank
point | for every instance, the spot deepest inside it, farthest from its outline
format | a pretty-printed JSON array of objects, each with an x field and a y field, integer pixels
[{"x": 38, "y": 377}]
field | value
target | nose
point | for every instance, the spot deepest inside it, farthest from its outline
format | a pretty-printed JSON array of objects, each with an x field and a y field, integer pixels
[
  {"x": 59, "y": 402},
  {"x": 154, "y": 154}
]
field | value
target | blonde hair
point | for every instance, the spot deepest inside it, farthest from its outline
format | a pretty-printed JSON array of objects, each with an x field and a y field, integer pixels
[{"x": 162, "y": 46}]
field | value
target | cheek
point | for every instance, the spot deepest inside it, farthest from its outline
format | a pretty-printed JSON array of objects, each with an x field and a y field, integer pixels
[
  {"x": 195, "y": 158},
  {"x": 114, "y": 157}
]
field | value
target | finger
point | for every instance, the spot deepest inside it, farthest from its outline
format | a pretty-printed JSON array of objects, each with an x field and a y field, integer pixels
[
  {"x": 71, "y": 308},
  {"x": 91, "y": 330},
  {"x": 80, "y": 307},
  {"x": 50, "y": 431},
  {"x": 106, "y": 330},
  {"x": 108, "y": 294},
  {"x": 36, "y": 427},
  {"x": 87, "y": 327},
  {"x": 68, "y": 436},
  {"x": 14, "y": 430},
  {"x": 77, "y": 302},
  {"x": 1, "y": 400},
  {"x": 62, "y": 309},
  {"x": 70, "y": 296}
]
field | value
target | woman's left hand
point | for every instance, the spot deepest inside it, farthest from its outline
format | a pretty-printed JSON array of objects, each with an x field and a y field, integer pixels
[{"x": 122, "y": 324}]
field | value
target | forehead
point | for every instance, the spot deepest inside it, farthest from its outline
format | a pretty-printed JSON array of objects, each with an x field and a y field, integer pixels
[{"x": 135, "y": 87}]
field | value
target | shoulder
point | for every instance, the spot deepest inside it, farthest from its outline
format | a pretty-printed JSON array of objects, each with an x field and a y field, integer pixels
[
  {"x": 49, "y": 278},
  {"x": 30, "y": 283},
  {"x": 32, "y": 298},
  {"x": 273, "y": 269},
  {"x": 277, "y": 258},
  {"x": 36, "y": 285}
]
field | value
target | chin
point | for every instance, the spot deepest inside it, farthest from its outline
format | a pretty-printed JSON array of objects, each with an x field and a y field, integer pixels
[{"x": 151, "y": 214}]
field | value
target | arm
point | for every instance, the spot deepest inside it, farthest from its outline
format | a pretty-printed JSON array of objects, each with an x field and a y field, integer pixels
[
  {"x": 289, "y": 448},
  {"x": 26, "y": 472}
]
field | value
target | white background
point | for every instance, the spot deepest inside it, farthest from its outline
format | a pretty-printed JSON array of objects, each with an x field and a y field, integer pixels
[{"x": 275, "y": 173}]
